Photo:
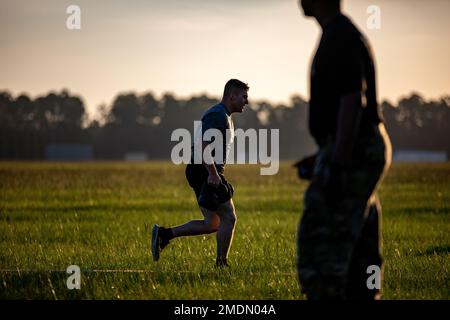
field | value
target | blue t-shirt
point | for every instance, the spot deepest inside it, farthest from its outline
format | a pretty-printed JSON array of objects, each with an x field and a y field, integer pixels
[{"x": 217, "y": 117}]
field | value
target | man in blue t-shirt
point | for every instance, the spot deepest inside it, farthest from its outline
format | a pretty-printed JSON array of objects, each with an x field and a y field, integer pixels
[{"x": 205, "y": 176}]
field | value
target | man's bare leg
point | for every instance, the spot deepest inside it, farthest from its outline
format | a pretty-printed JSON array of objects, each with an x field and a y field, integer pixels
[
  {"x": 225, "y": 232},
  {"x": 161, "y": 236},
  {"x": 223, "y": 222},
  {"x": 209, "y": 224}
]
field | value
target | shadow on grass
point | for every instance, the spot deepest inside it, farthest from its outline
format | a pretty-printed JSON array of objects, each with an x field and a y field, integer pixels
[
  {"x": 9, "y": 215},
  {"x": 425, "y": 210},
  {"x": 52, "y": 285},
  {"x": 436, "y": 250}
]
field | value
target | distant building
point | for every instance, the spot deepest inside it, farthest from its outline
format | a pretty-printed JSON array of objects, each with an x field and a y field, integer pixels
[
  {"x": 419, "y": 156},
  {"x": 68, "y": 152},
  {"x": 136, "y": 156}
]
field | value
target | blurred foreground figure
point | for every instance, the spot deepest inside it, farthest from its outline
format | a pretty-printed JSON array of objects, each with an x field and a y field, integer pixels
[{"x": 339, "y": 233}]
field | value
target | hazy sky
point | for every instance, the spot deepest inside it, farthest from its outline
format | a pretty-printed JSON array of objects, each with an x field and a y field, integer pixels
[{"x": 195, "y": 46}]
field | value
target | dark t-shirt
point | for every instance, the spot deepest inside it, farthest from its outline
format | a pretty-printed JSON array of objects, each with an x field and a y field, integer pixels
[
  {"x": 218, "y": 118},
  {"x": 343, "y": 64}
]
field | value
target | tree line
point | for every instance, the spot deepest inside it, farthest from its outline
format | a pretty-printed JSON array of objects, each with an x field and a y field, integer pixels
[{"x": 144, "y": 123}]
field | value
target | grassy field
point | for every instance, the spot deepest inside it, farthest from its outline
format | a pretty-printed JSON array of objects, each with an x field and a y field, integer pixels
[{"x": 99, "y": 216}]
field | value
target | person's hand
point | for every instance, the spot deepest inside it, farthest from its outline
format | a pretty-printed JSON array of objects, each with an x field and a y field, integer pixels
[
  {"x": 305, "y": 167},
  {"x": 214, "y": 180}
]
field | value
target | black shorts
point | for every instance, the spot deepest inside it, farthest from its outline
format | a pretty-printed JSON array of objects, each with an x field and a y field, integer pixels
[{"x": 208, "y": 197}]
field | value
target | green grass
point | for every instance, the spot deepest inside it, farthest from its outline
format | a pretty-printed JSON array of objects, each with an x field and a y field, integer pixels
[{"x": 99, "y": 216}]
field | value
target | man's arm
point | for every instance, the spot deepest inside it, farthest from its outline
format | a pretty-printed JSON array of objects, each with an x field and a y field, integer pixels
[
  {"x": 347, "y": 128},
  {"x": 348, "y": 75},
  {"x": 211, "y": 121},
  {"x": 213, "y": 176}
]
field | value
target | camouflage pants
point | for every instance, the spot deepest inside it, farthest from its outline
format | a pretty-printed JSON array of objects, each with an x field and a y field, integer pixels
[{"x": 338, "y": 240}]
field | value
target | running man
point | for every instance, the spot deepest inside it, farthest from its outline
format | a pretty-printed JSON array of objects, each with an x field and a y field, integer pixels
[{"x": 213, "y": 192}]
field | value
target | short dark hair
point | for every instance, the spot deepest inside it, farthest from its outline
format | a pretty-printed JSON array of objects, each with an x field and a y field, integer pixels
[
  {"x": 234, "y": 84},
  {"x": 333, "y": 2}
]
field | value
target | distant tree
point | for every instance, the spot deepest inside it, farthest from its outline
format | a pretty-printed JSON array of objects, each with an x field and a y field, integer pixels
[
  {"x": 125, "y": 109},
  {"x": 149, "y": 112}
]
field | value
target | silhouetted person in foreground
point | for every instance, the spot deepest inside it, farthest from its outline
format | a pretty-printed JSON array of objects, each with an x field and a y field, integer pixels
[
  {"x": 213, "y": 192},
  {"x": 339, "y": 233}
]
